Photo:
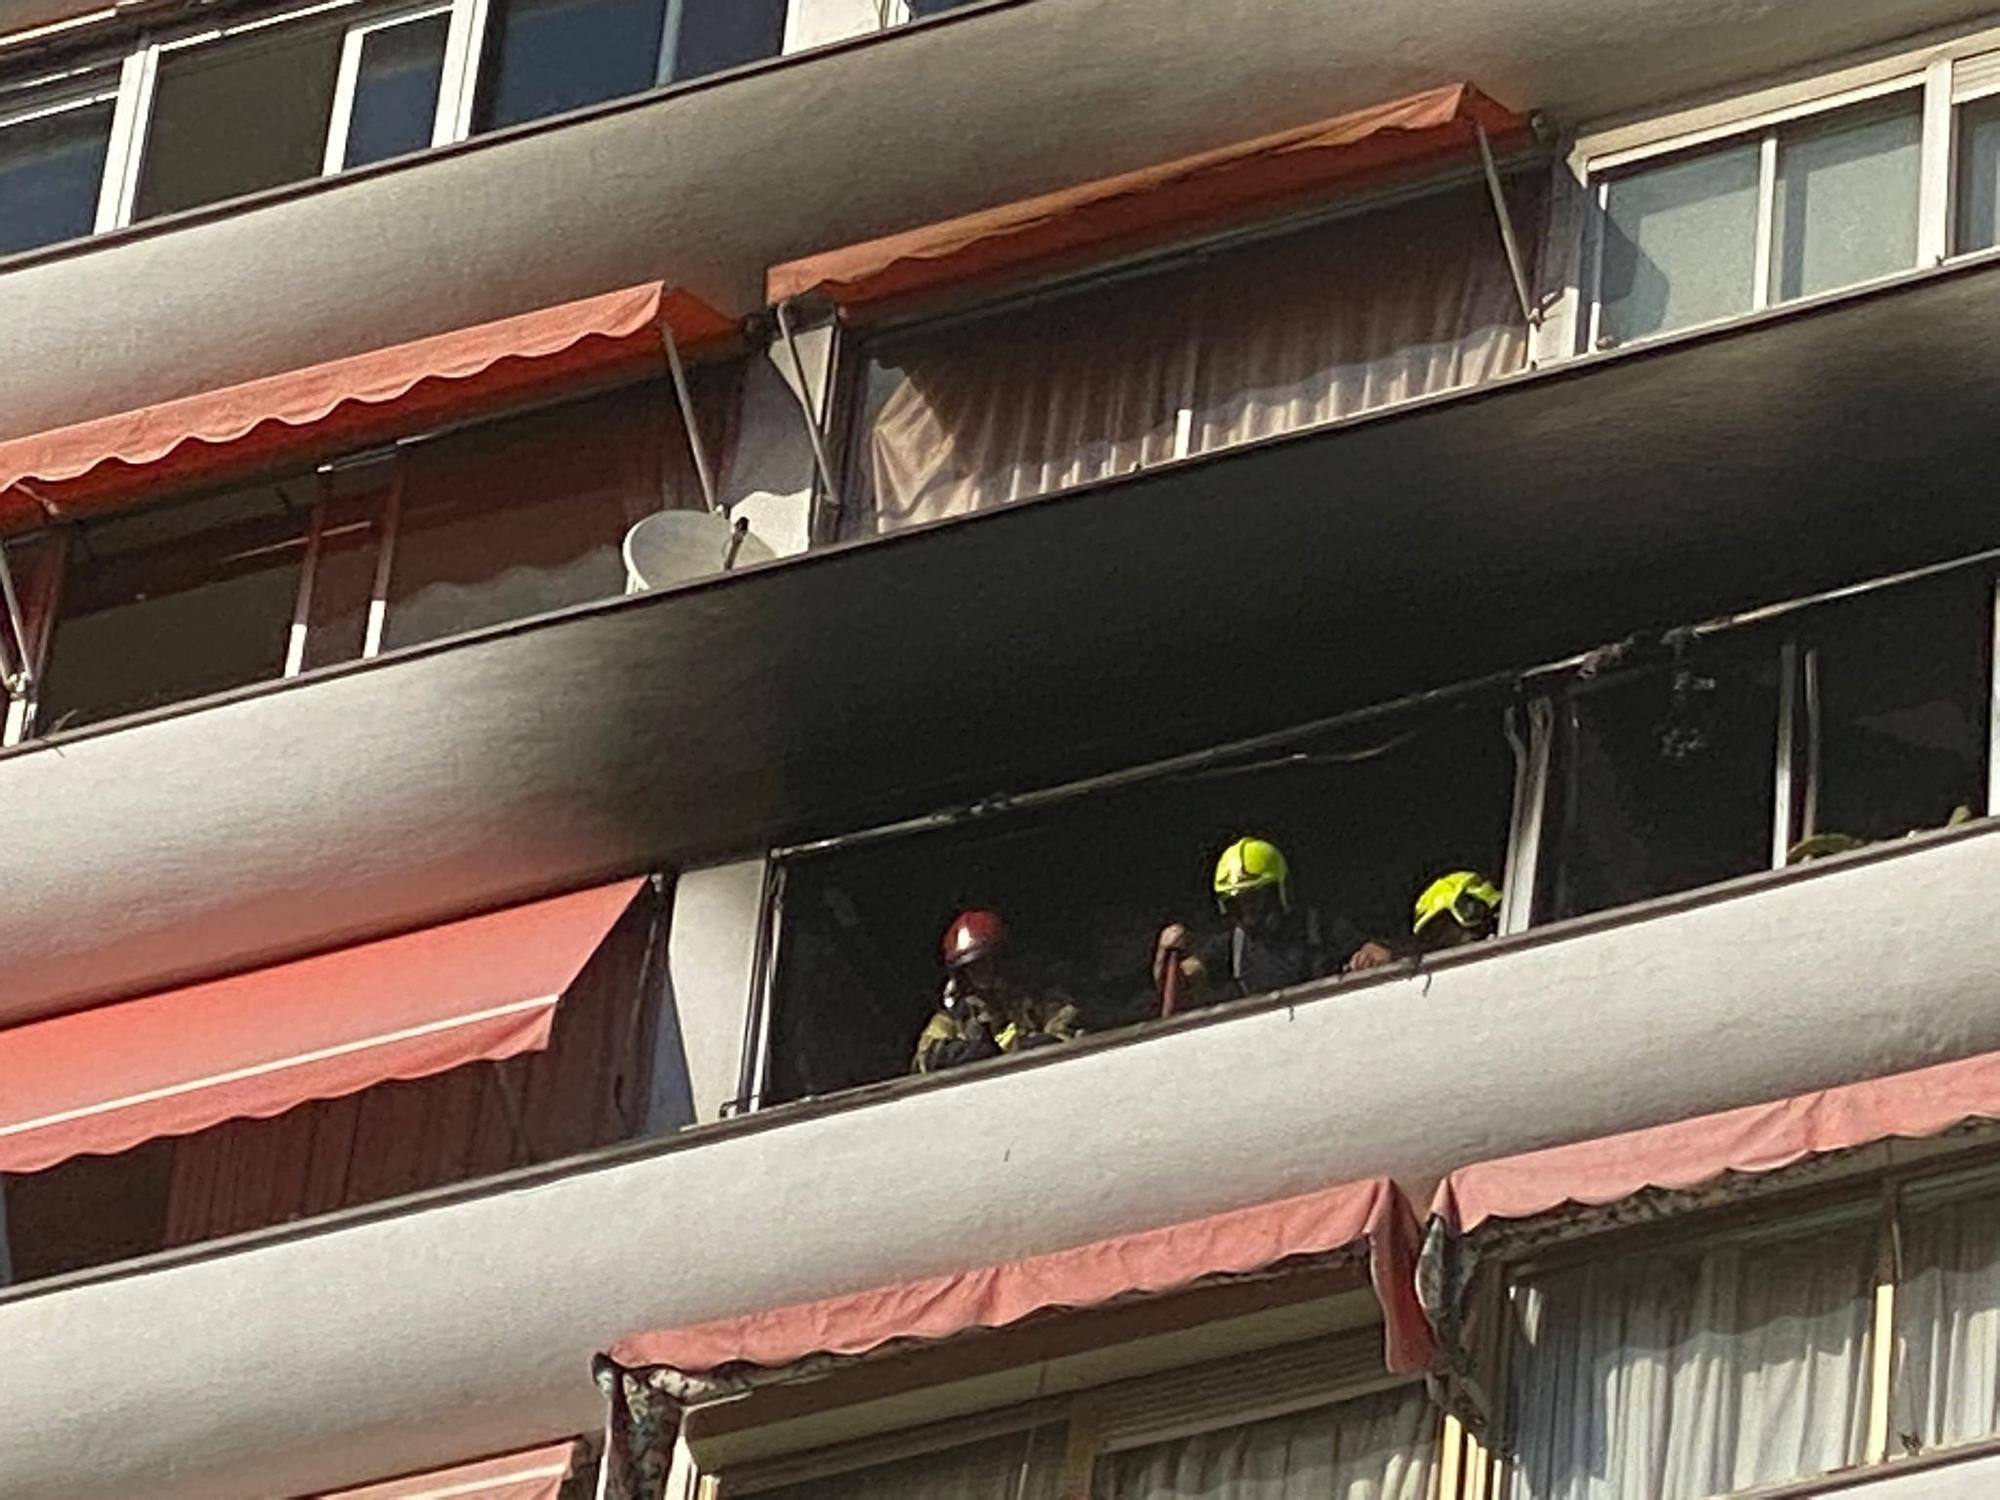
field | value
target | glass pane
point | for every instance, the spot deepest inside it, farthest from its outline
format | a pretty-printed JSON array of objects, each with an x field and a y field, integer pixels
[
  {"x": 718, "y": 34},
  {"x": 174, "y": 604},
  {"x": 396, "y": 91},
  {"x": 1697, "y": 1371},
  {"x": 238, "y": 116},
  {"x": 1847, "y": 199},
  {"x": 1948, "y": 1321},
  {"x": 1978, "y": 175},
  {"x": 1903, "y": 686},
  {"x": 545, "y": 56},
  {"x": 1382, "y": 1446},
  {"x": 921, "y": 8},
  {"x": 344, "y": 576},
  {"x": 50, "y": 173},
  {"x": 1680, "y": 244},
  {"x": 1665, "y": 781},
  {"x": 524, "y": 516},
  {"x": 992, "y": 1469}
]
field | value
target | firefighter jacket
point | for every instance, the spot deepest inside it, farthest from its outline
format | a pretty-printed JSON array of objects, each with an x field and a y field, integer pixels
[{"x": 971, "y": 1027}]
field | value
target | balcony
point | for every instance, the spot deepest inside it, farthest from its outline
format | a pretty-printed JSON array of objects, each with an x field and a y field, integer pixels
[
  {"x": 707, "y": 183},
  {"x": 1658, "y": 485},
  {"x": 390, "y": 1350}
]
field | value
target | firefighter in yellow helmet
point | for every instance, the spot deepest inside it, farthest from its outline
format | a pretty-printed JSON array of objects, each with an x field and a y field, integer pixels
[
  {"x": 1456, "y": 909},
  {"x": 1268, "y": 942}
]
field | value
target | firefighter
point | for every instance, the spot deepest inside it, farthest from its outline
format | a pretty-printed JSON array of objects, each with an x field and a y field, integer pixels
[
  {"x": 980, "y": 1014},
  {"x": 1268, "y": 943},
  {"x": 1456, "y": 909}
]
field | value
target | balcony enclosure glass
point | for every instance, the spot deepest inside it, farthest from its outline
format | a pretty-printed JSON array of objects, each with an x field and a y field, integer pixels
[
  {"x": 51, "y": 171},
  {"x": 1186, "y": 355},
  {"x": 498, "y": 521},
  {"x": 1805, "y": 207}
]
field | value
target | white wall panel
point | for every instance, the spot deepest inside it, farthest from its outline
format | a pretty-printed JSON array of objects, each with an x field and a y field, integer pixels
[{"x": 711, "y": 954}]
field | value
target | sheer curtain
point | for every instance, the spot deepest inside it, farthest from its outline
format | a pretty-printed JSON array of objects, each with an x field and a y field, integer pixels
[
  {"x": 1380, "y": 1447},
  {"x": 1357, "y": 314},
  {"x": 1028, "y": 401},
  {"x": 1948, "y": 1321},
  {"x": 1684, "y": 1374},
  {"x": 1237, "y": 344},
  {"x": 990, "y": 1469}
]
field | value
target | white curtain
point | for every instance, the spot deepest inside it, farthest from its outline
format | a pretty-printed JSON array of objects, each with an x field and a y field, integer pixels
[
  {"x": 1948, "y": 1323},
  {"x": 1028, "y": 402},
  {"x": 1381, "y": 1447},
  {"x": 1362, "y": 313},
  {"x": 990, "y": 1469},
  {"x": 1684, "y": 1374},
  {"x": 1243, "y": 343}
]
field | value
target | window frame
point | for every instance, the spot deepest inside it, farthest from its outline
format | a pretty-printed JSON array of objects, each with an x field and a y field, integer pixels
[
  {"x": 1766, "y": 1206},
  {"x": 83, "y": 87},
  {"x": 1101, "y": 1421}
]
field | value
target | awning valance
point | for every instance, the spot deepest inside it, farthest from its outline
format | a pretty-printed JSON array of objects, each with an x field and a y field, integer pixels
[
  {"x": 1134, "y": 211},
  {"x": 536, "y": 1474},
  {"x": 254, "y": 1045},
  {"x": 1370, "y": 1217},
  {"x": 1691, "y": 1154},
  {"x": 346, "y": 403}
]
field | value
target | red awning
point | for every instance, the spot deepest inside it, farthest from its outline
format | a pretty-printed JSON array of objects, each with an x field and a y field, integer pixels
[
  {"x": 1372, "y": 1216},
  {"x": 254, "y": 1045},
  {"x": 537, "y": 1474},
  {"x": 1137, "y": 210},
  {"x": 345, "y": 403},
  {"x": 1692, "y": 1153}
]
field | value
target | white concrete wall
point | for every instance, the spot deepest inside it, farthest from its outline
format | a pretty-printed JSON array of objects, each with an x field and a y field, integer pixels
[
  {"x": 710, "y": 956},
  {"x": 317, "y": 1359}
]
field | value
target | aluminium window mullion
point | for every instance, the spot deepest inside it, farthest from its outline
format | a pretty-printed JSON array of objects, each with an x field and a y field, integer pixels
[
  {"x": 1532, "y": 760},
  {"x": 1597, "y": 223},
  {"x": 341, "y": 117},
  {"x": 385, "y": 563},
  {"x": 1767, "y": 228},
  {"x": 1785, "y": 789},
  {"x": 672, "y": 16},
  {"x": 295, "y": 647},
  {"x": 137, "y": 76},
  {"x": 459, "y": 78},
  {"x": 1882, "y": 1362},
  {"x": 1935, "y": 167},
  {"x": 1993, "y": 707}
]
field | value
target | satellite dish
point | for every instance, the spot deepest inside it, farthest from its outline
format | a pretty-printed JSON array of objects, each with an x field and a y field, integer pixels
[{"x": 677, "y": 546}]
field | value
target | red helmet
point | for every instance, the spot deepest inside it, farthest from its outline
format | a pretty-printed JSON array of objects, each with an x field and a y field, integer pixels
[{"x": 973, "y": 935}]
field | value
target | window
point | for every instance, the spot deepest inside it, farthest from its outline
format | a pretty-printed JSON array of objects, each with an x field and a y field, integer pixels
[
  {"x": 1895, "y": 692},
  {"x": 1664, "y": 779},
  {"x": 1013, "y": 1466},
  {"x": 1693, "y": 1371},
  {"x": 1757, "y": 1346},
  {"x": 391, "y": 76},
  {"x": 1805, "y": 207},
  {"x": 1978, "y": 220},
  {"x": 175, "y": 603},
  {"x": 1368, "y": 817},
  {"x": 1106, "y": 378},
  {"x": 546, "y": 56},
  {"x": 922, "y": 8},
  {"x": 589, "y": 1087},
  {"x": 237, "y": 116},
  {"x": 488, "y": 523},
  {"x": 51, "y": 172}
]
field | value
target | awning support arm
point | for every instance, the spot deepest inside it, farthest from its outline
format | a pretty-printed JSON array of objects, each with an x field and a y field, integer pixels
[
  {"x": 697, "y": 449},
  {"x": 18, "y": 679},
  {"x": 810, "y": 408},
  {"x": 1530, "y": 314}
]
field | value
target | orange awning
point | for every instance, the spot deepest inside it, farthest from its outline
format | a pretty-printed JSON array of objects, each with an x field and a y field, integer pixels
[
  {"x": 537, "y": 1474},
  {"x": 254, "y": 1045},
  {"x": 308, "y": 414},
  {"x": 1137, "y": 210},
  {"x": 1371, "y": 1217},
  {"x": 1694, "y": 1153}
]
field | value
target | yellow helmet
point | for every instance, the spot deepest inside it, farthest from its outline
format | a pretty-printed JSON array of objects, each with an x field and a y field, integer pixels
[
  {"x": 1468, "y": 897},
  {"x": 1252, "y": 865}
]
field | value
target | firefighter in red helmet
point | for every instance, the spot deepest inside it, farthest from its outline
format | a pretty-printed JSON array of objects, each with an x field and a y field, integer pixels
[{"x": 980, "y": 1014}]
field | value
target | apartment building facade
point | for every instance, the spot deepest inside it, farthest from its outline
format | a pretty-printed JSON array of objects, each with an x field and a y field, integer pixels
[{"x": 548, "y": 548}]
